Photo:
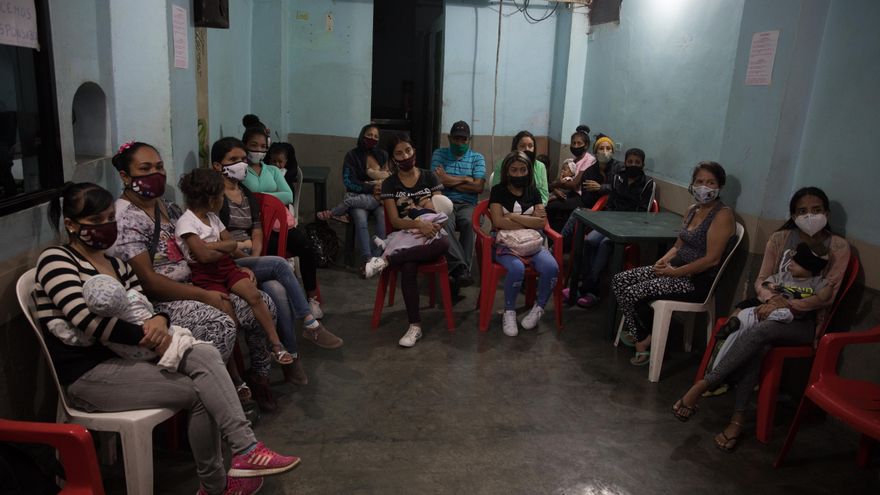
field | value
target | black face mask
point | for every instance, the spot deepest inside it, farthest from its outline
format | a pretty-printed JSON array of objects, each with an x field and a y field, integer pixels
[
  {"x": 578, "y": 151},
  {"x": 634, "y": 172},
  {"x": 519, "y": 182},
  {"x": 531, "y": 155}
]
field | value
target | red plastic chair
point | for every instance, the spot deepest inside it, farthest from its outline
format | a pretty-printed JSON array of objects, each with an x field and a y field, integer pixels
[
  {"x": 272, "y": 210},
  {"x": 74, "y": 446},
  {"x": 388, "y": 284},
  {"x": 771, "y": 369},
  {"x": 491, "y": 272},
  {"x": 855, "y": 402}
]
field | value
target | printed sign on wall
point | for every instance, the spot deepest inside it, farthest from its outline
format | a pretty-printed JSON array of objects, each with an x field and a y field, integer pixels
[{"x": 18, "y": 23}]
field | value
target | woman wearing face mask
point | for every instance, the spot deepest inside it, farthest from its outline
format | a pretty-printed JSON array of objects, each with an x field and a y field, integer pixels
[
  {"x": 565, "y": 192},
  {"x": 98, "y": 380},
  {"x": 687, "y": 270},
  {"x": 146, "y": 241},
  {"x": 808, "y": 223},
  {"x": 409, "y": 190},
  {"x": 241, "y": 216},
  {"x": 525, "y": 141},
  {"x": 358, "y": 183},
  {"x": 596, "y": 181},
  {"x": 260, "y": 177}
]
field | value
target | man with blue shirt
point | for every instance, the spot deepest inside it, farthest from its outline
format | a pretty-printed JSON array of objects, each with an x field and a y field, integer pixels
[{"x": 463, "y": 175}]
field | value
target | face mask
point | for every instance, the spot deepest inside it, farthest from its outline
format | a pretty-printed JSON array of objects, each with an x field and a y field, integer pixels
[
  {"x": 703, "y": 194},
  {"x": 100, "y": 236},
  {"x": 811, "y": 223},
  {"x": 633, "y": 172},
  {"x": 370, "y": 143},
  {"x": 603, "y": 156},
  {"x": 236, "y": 171},
  {"x": 256, "y": 156},
  {"x": 148, "y": 186},
  {"x": 578, "y": 151},
  {"x": 519, "y": 182},
  {"x": 458, "y": 149},
  {"x": 531, "y": 155},
  {"x": 406, "y": 165}
]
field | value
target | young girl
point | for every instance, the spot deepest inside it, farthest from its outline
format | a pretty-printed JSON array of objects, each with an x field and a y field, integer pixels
[
  {"x": 565, "y": 194},
  {"x": 207, "y": 246}
]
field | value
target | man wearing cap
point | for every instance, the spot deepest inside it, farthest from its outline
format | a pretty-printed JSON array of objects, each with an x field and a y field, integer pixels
[{"x": 463, "y": 174}]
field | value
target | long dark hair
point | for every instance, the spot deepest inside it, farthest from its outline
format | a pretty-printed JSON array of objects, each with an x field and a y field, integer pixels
[
  {"x": 516, "y": 156},
  {"x": 78, "y": 200},
  {"x": 223, "y": 146},
  {"x": 400, "y": 137},
  {"x": 792, "y": 206},
  {"x": 519, "y": 136},
  {"x": 122, "y": 159}
]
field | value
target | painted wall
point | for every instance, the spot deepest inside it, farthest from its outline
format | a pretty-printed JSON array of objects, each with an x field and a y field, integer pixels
[
  {"x": 184, "y": 120},
  {"x": 229, "y": 72},
  {"x": 269, "y": 43},
  {"x": 525, "y": 68}
]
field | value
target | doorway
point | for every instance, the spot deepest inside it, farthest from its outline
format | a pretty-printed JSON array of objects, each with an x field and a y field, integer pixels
[{"x": 407, "y": 63}]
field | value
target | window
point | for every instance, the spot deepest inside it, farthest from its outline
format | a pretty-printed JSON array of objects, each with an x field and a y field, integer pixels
[
  {"x": 30, "y": 160},
  {"x": 604, "y": 11}
]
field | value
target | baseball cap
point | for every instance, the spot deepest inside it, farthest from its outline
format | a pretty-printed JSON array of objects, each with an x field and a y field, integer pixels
[{"x": 460, "y": 128}]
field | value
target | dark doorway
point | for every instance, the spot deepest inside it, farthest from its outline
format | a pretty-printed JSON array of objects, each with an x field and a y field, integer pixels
[{"x": 406, "y": 60}]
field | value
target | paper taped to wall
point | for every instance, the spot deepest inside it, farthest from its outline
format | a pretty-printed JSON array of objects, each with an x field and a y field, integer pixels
[{"x": 761, "y": 57}]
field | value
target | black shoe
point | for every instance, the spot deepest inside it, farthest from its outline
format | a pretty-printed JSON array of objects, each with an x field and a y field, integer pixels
[
  {"x": 463, "y": 278},
  {"x": 731, "y": 326}
]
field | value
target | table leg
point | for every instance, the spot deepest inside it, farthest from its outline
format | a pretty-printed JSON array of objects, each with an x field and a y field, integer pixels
[
  {"x": 577, "y": 253},
  {"x": 616, "y": 267}
]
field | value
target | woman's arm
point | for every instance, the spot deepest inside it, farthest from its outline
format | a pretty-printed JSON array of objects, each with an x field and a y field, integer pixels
[
  {"x": 534, "y": 221},
  {"x": 500, "y": 221},
  {"x": 282, "y": 188},
  {"x": 722, "y": 228},
  {"x": 257, "y": 241},
  {"x": 769, "y": 266},
  {"x": 426, "y": 229}
]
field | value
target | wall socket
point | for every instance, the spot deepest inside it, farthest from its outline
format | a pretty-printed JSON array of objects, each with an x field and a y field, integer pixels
[{"x": 617, "y": 146}]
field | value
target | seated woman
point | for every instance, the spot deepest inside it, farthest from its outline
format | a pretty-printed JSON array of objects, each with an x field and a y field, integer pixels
[
  {"x": 283, "y": 156},
  {"x": 146, "y": 240},
  {"x": 97, "y": 380},
  {"x": 525, "y": 141},
  {"x": 565, "y": 192},
  {"x": 687, "y": 270},
  {"x": 241, "y": 216},
  {"x": 268, "y": 179},
  {"x": 515, "y": 205},
  {"x": 631, "y": 190},
  {"x": 409, "y": 189},
  {"x": 808, "y": 223},
  {"x": 358, "y": 185}
]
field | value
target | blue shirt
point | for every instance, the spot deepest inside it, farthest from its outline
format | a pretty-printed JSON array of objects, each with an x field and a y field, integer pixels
[{"x": 471, "y": 164}]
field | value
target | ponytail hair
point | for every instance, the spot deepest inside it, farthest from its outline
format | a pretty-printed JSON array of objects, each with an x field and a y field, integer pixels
[{"x": 78, "y": 200}]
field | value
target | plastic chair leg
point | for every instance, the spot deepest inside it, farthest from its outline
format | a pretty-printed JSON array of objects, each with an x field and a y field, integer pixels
[
  {"x": 446, "y": 294},
  {"x": 792, "y": 431},
  {"x": 488, "y": 300},
  {"x": 380, "y": 300},
  {"x": 659, "y": 332},
  {"x": 767, "y": 394},
  {"x": 866, "y": 443},
  {"x": 617, "y": 336},
  {"x": 137, "y": 453},
  {"x": 710, "y": 346},
  {"x": 392, "y": 287}
]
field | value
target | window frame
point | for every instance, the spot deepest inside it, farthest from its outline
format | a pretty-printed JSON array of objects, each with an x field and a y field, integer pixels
[{"x": 51, "y": 168}]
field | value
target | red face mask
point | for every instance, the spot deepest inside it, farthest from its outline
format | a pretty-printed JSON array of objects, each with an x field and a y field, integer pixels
[
  {"x": 149, "y": 186},
  {"x": 407, "y": 164},
  {"x": 370, "y": 143},
  {"x": 99, "y": 236}
]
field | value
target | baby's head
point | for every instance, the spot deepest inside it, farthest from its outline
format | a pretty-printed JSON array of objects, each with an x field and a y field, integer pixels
[
  {"x": 808, "y": 262},
  {"x": 105, "y": 296},
  {"x": 566, "y": 171}
]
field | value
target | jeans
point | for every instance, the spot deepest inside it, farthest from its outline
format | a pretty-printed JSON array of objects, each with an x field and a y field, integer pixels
[
  {"x": 355, "y": 200},
  {"x": 299, "y": 245},
  {"x": 362, "y": 230},
  {"x": 461, "y": 221},
  {"x": 597, "y": 251},
  {"x": 276, "y": 278},
  {"x": 543, "y": 262}
]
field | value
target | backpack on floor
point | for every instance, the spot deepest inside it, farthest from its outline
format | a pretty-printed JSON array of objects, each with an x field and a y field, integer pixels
[{"x": 325, "y": 243}]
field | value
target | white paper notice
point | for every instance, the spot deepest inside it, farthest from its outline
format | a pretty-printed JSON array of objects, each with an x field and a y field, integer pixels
[
  {"x": 761, "y": 57},
  {"x": 181, "y": 46},
  {"x": 18, "y": 23}
]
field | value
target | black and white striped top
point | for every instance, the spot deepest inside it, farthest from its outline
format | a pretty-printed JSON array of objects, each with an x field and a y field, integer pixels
[{"x": 61, "y": 273}]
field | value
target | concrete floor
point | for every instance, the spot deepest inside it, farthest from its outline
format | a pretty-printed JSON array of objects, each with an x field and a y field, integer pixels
[{"x": 484, "y": 414}]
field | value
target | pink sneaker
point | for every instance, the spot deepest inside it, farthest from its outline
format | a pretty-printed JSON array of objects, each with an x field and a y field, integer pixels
[
  {"x": 239, "y": 486},
  {"x": 261, "y": 462}
]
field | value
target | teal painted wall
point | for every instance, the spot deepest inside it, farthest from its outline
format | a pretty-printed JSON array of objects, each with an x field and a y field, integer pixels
[{"x": 229, "y": 72}]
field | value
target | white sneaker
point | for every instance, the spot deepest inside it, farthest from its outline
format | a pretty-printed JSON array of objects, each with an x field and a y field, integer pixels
[
  {"x": 530, "y": 320},
  {"x": 509, "y": 323},
  {"x": 374, "y": 267},
  {"x": 412, "y": 335},
  {"x": 315, "y": 308},
  {"x": 379, "y": 242}
]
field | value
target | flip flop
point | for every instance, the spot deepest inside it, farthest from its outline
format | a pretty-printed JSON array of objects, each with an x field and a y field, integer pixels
[
  {"x": 684, "y": 412},
  {"x": 280, "y": 355},
  {"x": 626, "y": 339},
  {"x": 635, "y": 361},
  {"x": 735, "y": 439}
]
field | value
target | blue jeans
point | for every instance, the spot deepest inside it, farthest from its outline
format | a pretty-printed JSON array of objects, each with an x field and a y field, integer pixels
[
  {"x": 275, "y": 277},
  {"x": 362, "y": 230},
  {"x": 355, "y": 200},
  {"x": 543, "y": 262},
  {"x": 597, "y": 251}
]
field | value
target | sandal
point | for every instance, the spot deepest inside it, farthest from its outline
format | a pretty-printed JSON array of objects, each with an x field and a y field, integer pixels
[
  {"x": 684, "y": 412},
  {"x": 280, "y": 355},
  {"x": 638, "y": 360},
  {"x": 725, "y": 447}
]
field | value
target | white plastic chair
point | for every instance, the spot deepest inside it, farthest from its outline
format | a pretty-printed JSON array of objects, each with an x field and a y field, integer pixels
[
  {"x": 134, "y": 427},
  {"x": 663, "y": 310}
]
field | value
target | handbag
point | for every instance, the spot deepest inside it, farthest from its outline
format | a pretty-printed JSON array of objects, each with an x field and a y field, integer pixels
[{"x": 520, "y": 242}]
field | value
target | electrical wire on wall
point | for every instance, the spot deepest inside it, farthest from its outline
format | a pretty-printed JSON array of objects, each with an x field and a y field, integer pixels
[
  {"x": 495, "y": 96},
  {"x": 531, "y": 19}
]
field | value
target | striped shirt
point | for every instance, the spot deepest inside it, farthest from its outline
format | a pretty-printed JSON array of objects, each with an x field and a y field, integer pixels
[
  {"x": 61, "y": 273},
  {"x": 471, "y": 164}
]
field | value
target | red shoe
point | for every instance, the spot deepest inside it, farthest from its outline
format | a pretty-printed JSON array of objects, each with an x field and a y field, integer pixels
[
  {"x": 239, "y": 486},
  {"x": 261, "y": 462}
]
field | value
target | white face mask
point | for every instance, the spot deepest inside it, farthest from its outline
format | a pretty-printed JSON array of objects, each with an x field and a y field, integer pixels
[
  {"x": 236, "y": 171},
  {"x": 703, "y": 194},
  {"x": 811, "y": 223},
  {"x": 256, "y": 156},
  {"x": 603, "y": 156}
]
